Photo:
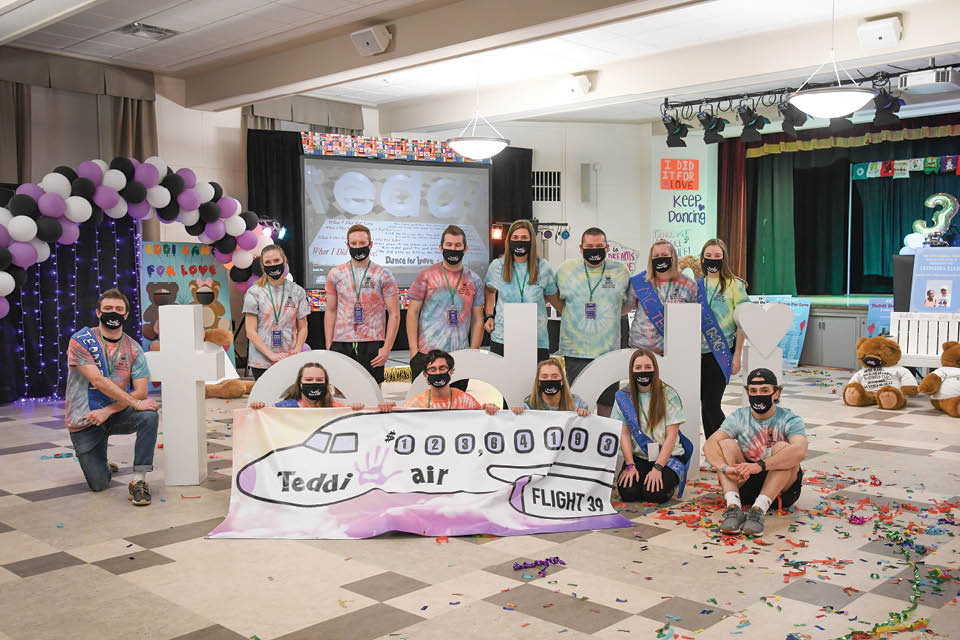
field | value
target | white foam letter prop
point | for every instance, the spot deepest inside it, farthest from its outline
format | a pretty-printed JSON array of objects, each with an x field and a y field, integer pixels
[
  {"x": 764, "y": 325},
  {"x": 679, "y": 367},
  {"x": 351, "y": 379},
  {"x": 181, "y": 366},
  {"x": 511, "y": 374}
]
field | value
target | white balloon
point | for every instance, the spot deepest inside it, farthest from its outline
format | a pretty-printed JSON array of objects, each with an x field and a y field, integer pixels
[
  {"x": 204, "y": 238},
  {"x": 262, "y": 243},
  {"x": 78, "y": 209},
  {"x": 189, "y": 218},
  {"x": 43, "y": 249},
  {"x": 242, "y": 259},
  {"x": 913, "y": 240},
  {"x": 5, "y": 216},
  {"x": 56, "y": 183},
  {"x": 104, "y": 167},
  {"x": 235, "y": 225},
  {"x": 290, "y": 277},
  {"x": 158, "y": 197},
  {"x": 22, "y": 228},
  {"x": 907, "y": 251},
  {"x": 159, "y": 164},
  {"x": 7, "y": 283},
  {"x": 117, "y": 211},
  {"x": 150, "y": 215},
  {"x": 115, "y": 179},
  {"x": 205, "y": 191}
]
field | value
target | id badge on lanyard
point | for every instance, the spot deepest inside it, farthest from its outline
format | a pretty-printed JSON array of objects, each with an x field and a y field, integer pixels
[
  {"x": 357, "y": 314},
  {"x": 276, "y": 339},
  {"x": 453, "y": 316},
  {"x": 590, "y": 310}
]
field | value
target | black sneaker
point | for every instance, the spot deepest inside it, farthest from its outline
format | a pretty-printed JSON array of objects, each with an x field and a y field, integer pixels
[
  {"x": 733, "y": 519},
  {"x": 139, "y": 493},
  {"x": 754, "y": 522}
]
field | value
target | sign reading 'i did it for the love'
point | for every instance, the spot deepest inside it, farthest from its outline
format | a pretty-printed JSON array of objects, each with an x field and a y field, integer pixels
[{"x": 683, "y": 201}]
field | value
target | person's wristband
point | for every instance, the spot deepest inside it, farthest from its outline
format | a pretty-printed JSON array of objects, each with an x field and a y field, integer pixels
[
  {"x": 658, "y": 466},
  {"x": 763, "y": 465},
  {"x": 136, "y": 406},
  {"x": 723, "y": 470},
  {"x": 489, "y": 316},
  {"x": 627, "y": 466}
]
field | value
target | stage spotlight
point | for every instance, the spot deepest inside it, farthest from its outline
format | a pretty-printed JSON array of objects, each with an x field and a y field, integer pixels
[
  {"x": 752, "y": 123},
  {"x": 676, "y": 131},
  {"x": 564, "y": 235},
  {"x": 547, "y": 234},
  {"x": 792, "y": 118},
  {"x": 887, "y": 107},
  {"x": 496, "y": 232},
  {"x": 712, "y": 126}
]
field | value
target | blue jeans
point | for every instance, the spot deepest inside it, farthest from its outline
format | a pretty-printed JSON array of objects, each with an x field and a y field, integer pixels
[{"x": 91, "y": 444}]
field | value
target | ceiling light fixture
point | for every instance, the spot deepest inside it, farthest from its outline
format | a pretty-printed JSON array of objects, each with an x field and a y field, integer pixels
[
  {"x": 792, "y": 118},
  {"x": 147, "y": 31},
  {"x": 676, "y": 131},
  {"x": 752, "y": 123},
  {"x": 476, "y": 147},
  {"x": 712, "y": 126},
  {"x": 832, "y": 102},
  {"x": 887, "y": 107}
]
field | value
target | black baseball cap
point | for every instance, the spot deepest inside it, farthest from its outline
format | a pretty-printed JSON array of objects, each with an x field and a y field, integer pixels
[{"x": 762, "y": 376}]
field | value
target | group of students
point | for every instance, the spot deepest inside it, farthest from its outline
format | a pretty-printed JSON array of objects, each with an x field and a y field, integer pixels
[{"x": 756, "y": 451}]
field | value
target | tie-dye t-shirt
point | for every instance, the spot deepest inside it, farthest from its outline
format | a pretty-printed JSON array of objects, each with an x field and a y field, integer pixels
[
  {"x": 756, "y": 438},
  {"x": 378, "y": 285},
  {"x": 643, "y": 333},
  {"x": 429, "y": 400},
  {"x": 658, "y": 433},
  {"x": 723, "y": 304},
  {"x": 582, "y": 337},
  {"x": 290, "y": 301},
  {"x": 293, "y": 403},
  {"x": 430, "y": 288},
  {"x": 131, "y": 365},
  {"x": 510, "y": 292}
]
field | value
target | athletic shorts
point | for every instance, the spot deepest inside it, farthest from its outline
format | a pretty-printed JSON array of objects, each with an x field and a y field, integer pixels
[{"x": 751, "y": 490}]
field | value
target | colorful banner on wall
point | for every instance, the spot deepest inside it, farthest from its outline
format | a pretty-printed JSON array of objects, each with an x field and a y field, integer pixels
[
  {"x": 184, "y": 273},
  {"x": 878, "y": 316},
  {"x": 792, "y": 341},
  {"x": 683, "y": 200},
  {"x": 334, "y": 144},
  {"x": 630, "y": 257},
  {"x": 903, "y": 168},
  {"x": 936, "y": 278},
  {"x": 332, "y": 473}
]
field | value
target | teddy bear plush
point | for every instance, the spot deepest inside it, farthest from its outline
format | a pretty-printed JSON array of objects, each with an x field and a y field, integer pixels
[
  {"x": 943, "y": 384},
  {"x": 235, "y": 388},
  {"x": 880, "y": 382}
]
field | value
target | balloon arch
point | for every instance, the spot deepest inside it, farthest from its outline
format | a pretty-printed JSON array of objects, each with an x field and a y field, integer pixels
[{"x": 52, "y": 211}]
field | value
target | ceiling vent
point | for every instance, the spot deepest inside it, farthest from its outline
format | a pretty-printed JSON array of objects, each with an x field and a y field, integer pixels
[
  {"x": 147, "y": 31},
  {"x": 930, "y": 81}
]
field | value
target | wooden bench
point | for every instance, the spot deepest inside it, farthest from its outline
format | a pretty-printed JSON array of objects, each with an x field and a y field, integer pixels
[{"x": 921, "y": 336}]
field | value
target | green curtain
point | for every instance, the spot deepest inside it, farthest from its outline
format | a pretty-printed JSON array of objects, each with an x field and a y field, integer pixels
[
  {"x": 820, "y": 203},
  {"x": 773, "y": 247}
]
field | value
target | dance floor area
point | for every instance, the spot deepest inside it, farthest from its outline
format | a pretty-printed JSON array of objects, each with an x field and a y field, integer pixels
[{"x": 75, "y": 564}]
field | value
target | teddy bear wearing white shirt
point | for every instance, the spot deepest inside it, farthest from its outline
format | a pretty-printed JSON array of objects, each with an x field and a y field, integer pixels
[
  {"x": 943, "y": 385},
  {"x": 881, "y": 381}
]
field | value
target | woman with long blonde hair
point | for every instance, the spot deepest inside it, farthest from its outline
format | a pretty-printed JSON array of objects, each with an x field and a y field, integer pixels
[
  {"x": 551, "y": 391},
  {"x": 313, "y": 389},
  {"x": 652, "y": 288}
]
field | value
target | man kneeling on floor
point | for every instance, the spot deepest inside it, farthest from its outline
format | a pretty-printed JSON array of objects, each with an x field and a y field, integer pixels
[{"x": 757, "y": 453}]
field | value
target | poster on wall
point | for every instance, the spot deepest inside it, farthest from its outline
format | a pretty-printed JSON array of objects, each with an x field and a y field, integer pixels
[
  {"x": 683, "y": 194},
  {"x": 792, "y": 341},
  {"x": 629, "y": 257},
  {"x": 878, "y": 316},
  {"x": 184, "y": 273},
  {"x": 936, "y": 278}
]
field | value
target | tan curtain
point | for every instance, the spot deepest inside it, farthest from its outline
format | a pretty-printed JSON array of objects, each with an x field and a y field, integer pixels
[{"x": 14, "y": 132}]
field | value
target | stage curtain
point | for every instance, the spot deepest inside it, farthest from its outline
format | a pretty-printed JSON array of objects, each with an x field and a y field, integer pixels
[
  {"x": 14, "y": 132},
  {"x": 512, "y": 184},
  {"x": 731, "y": 203},
  {"x": 820, "y": 225},
  {"x": 773, "y": 245}
]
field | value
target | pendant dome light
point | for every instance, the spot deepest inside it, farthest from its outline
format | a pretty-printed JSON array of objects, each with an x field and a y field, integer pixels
[{"x": 478, "y": 147}]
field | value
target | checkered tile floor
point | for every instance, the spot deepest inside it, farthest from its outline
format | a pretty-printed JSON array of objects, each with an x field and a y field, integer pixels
[{"x": 74, "y": 564}]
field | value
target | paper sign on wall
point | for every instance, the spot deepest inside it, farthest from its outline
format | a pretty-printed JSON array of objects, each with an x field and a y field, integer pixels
[
  {"x": 878, "y": 316},
  {"x": 683, "y": 202},
  {"x": 936, "y": 276},
  {"x": 792, "y": 342}
]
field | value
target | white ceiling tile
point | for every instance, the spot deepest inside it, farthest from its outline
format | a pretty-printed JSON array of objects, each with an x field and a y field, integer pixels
[
  {"x": 121, "y": 40},
  {"x": 47, "y": 41},
  {"x": 325, "y": 7},
  {"x": 99, "y": 49},
  {"x": 132, "y": 10},
  {"x": 285, "y": 14},
  {"x": 96, "y": 21},
  {"x": 71, "y": 30}
]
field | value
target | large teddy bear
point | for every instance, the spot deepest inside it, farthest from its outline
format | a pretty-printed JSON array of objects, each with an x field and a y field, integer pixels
[
  {"x": 880, "y": 381},
  {"x": 943, "y": 385}
]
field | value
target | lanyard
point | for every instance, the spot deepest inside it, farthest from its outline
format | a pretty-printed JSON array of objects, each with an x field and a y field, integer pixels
[
  {"x": 665, "y": 298},
  {"x": 453, "y": 290},
  {"x": 587, "y": 275},
  {"x": 111, "y": 366},
  {"x": 353, "y": 275},
  {"x": 710, "y": 298},
  {"x": 273, "y": 305},
  {"x": 525, "y": 278}
]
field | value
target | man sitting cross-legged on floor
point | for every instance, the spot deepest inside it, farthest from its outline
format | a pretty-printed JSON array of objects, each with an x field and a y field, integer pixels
[{"x": 757, "y": 453}]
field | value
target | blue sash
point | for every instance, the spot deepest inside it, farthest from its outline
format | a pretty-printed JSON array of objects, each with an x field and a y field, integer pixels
[
  {"x": 713, "y": 334},
  {"x": 642, "y": 439},
  {"x": 648, "y": 299},
  {"x": 95, "y": 398}
]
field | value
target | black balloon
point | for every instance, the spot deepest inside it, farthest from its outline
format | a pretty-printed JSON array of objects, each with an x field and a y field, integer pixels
[
  {"x": 209, "y": 212},
  {"x": 96, "y": 217},
  {"x": 217, "y": 191},
  {"x": 48, "y": 229},
  {"x": 23, "y": 205},
  {"x": 83, "y": 187},
  {"x": 134, "y": 192},
  {"x": 251, "y": 219},
  {"x": 173, "y": 183},
  {"x": 256, "y": 268},
  {"x": 169, "y": 212},
  {"x": 124, "y": 166},
  {"x": 66, "y": 172},
  {"x": 239, "y": 275},
  {"x": 5, "y": 258},
  {"x": 19, "y": 275},
  {"x": 196, "y": 229},
  {"x": 226, "y": 244}
]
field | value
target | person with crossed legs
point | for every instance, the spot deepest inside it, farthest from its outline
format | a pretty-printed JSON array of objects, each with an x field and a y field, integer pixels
[{"x": 757, "y": 454}]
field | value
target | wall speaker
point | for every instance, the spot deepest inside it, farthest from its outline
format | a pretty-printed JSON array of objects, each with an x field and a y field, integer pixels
[
  {"x": 880, "y": 34},
  {"x": 372, "y": 40}
]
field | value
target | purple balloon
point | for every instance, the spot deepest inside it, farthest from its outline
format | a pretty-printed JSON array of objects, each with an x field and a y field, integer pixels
[
  {"x": 4, "y": 236},
  {"x": 228, "y": 206},
  {"x": 4, "y": 308},
  {"x": 247, "y": 240},
  {"x": 138, "y": 210},
  {"x": 147, "y": 175},
  {"x": 189, "y": 178},
  {"x": 24, "y": 254},
  {"x": 136, "y": 163},
  {"x": 70, "y": 232},
  {"x": 32, "y": 190},
  {"x": 91, "y": 171},
  {"x": 215, "y": 230},
  {"x": 106, "y": 197},
  {"x": 222, "y": 258},
  {"x": 52, "y": 205},
  {"x": 252, "y": 279},
  {"x": 242, "y": 286},
  {"x": 188, "y": 200}
]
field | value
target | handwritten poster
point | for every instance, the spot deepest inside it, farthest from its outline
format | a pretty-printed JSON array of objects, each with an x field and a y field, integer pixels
[
  {"x": 683, "y": 202},
  {"x": 622, "y": 253}
]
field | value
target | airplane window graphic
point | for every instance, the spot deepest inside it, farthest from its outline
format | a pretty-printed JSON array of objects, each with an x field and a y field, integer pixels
[
  {"x": 578, "y": 439},
  {"x": 607, "y": 445},
  {"x": 494, "y": 442},
  {"x": 523, "y": 441},
  {"x": 318, "y": 441},
  {"x": 465, "y": 443},
  {"x": 345, "y": 443},
  {"x": 404, "y": 445},
  {"x": 553, "y": 438},
  {"x": 434, "y": 445}
]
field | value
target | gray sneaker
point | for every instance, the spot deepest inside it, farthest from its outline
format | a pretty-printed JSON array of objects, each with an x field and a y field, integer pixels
[
  {"x": 733, "y": 519},
  {"x": 754, "y": 524}
]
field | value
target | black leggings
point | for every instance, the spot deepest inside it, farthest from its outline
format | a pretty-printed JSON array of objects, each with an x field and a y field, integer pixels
[
  {"x": 712, "y": 386},
  {"x": 638, "y": 493}
]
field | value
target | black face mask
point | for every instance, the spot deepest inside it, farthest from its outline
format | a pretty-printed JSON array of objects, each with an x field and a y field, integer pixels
[
  {"x": 313, "y": 390},
  {"x": 452, "y": 256},
  {"x": 274, "y": 271},
  {"x": 111, "y": 319},
  {"x": 594, "y": 256},
  {"x": 438, "y": 380},
  {"x": 872, "y": 361},
  {"x": 662, "y": 265},
  {"x": 643, "y": 378},
  {"x": 712, "y": 265},
  {"x": 761, "y": 404},
  {"x": 205, "y": 297},
  {"x": 550, "y": 387},
  {"x": 520, "y": 248},
  {"x": 359, "y": 253}
]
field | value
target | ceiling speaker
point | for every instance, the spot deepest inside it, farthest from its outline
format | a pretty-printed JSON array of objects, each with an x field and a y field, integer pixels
[{"x": 372, "y": 40}]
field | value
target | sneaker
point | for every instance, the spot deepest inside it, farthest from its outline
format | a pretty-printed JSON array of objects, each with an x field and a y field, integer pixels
[
  {"x": 114, "y": 467},
  {"x": 754, "y": 523},
  {"x": 139, "y": 493},
  {"x": 733, "y": 519}
]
